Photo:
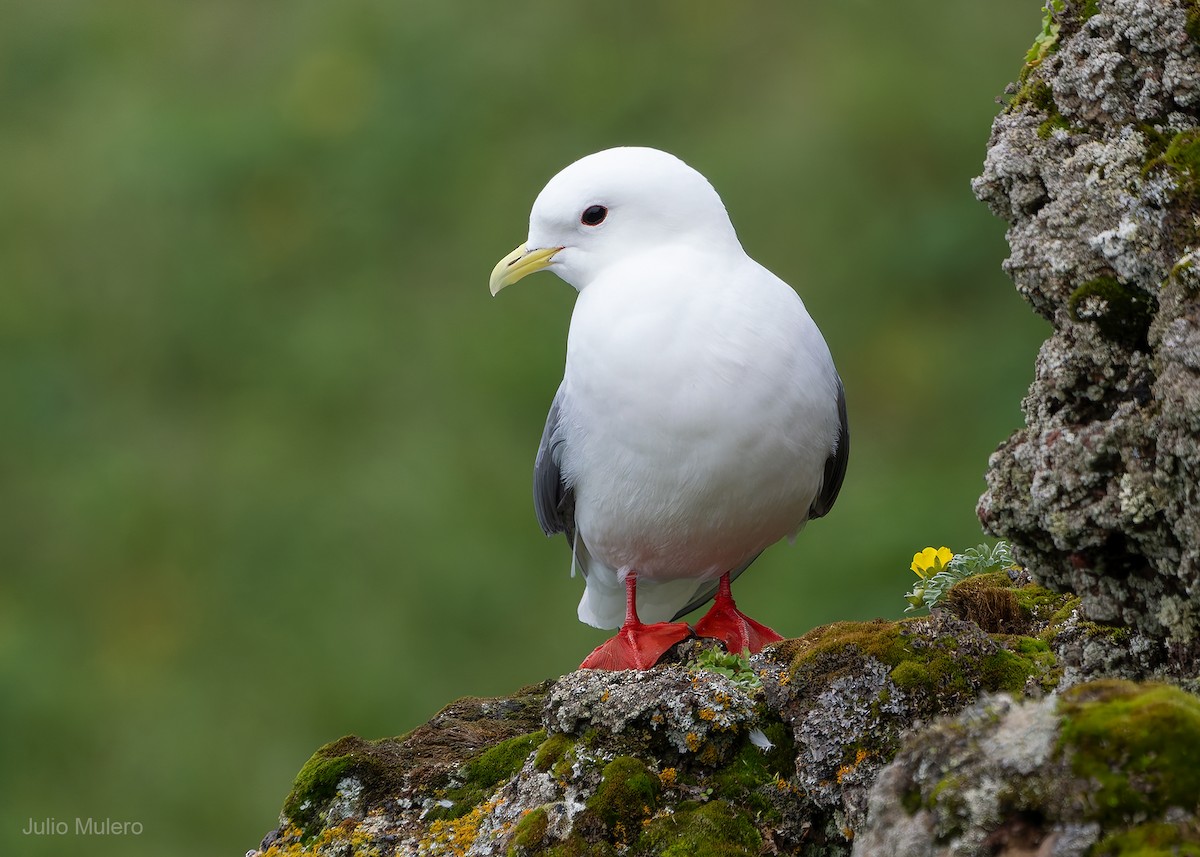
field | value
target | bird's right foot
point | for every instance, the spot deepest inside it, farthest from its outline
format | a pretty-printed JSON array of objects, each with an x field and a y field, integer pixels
[{"x": 636, "y": 646}]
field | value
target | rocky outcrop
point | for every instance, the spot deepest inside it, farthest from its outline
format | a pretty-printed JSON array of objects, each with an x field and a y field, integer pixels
[
  {"x": 858, "y": 737},
  {"x": 1107, "y": 768},
  {"x": 1095, "y": 164}
]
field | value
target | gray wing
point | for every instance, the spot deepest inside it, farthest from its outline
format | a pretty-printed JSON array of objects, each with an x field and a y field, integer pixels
[
  {"x": 835, "y": 465},
  {"x": 831, "y": 484},
  {"x": 553, "y": 499}
]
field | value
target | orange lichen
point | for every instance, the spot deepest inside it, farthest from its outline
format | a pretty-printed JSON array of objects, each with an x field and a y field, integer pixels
[
  {"x": 859, "y": 757},
  {"x": 347, "y": 835},
  {"x": 453, "y": 837},
  {"x": 709, "y": 755}
]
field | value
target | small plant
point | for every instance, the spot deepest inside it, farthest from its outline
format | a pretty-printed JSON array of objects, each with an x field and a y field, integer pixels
[
  {"x": 939, "y": 569},
  {"x": 734, "y": 667},
  {"x": 1047, "y": 39}
]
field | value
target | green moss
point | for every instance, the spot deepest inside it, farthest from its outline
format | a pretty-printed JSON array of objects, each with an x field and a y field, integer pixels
[
  {"x": 1180, "y": 155},
  {"x": 552, "y": 751},
  {"x": 1055, "y": 121},
  {"x": 1151, "y": 840},
  {"x": 1069, "y": 605},
  {"x": 378, "y": 765},
  {"x": 1032, "y": 646},
  {"x": 713, "y": 829},
  {"x": 949, "y": 785},
  {"x": 530, "y": 832},
  {"x": 577, "y": 846},
  {"x": 998, "y": 671},
  {"x": 750, "y": 769},
  {"x": 503, "y": 760},
  {"x": 1121, "y": 313},
  {"x": 1106, "y": 632},
  {"x": 1193, "y": 20},
  {"x": 315, "y": 786},
  {"x": 481, "y": 775},
  {"x": 1140, "y": 744},
  {"x": 1036, "y": 94},
  {"x": 1004, "y": 671},
  {"x": 934, "y": 668},
  {"x": 878, "y": 639},
  {"x": 627, "y": 795}
]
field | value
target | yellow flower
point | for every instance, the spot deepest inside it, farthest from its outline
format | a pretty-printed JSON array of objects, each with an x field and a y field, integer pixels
[{"x": 930, "y": 561}]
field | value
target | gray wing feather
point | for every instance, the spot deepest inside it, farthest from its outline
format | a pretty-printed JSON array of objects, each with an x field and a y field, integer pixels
[
  {"x": 835, "y": 465},
  {"x": 553, "y": 499}
]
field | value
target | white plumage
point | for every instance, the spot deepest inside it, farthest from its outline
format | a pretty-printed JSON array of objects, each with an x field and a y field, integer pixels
[{"x": 700, "y": 418}]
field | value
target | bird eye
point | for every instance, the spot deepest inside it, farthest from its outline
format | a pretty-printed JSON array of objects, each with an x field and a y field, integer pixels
[{"x": 593, "y": 215}]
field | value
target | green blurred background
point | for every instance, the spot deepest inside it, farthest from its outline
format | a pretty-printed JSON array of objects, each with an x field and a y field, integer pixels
[{"x": 266, "y": 438}]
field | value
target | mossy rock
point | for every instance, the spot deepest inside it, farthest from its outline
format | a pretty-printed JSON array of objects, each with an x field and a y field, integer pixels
[
  {"x": 372, "y": 763},
  {"x": 930, "y": 666},
  {"x": 713, "y": 829},
  {"x": 999, "y": 605},
  {"x": 1140, "y": 745},
  {"x": 482, "y": 774},
  {"x": 554, "y": 754},
  {"x": 577, "y": 846},
  {"x": 530, "y": 833},
  {"x": 1121, "y": 313},
  {"x": 1180, "y": 154},
  {"x": 742, "y": 779},
  {"x": 627, "y": 796},
  {"x": 1156, "y": 839},
  {"x": 479, "y": 736}
]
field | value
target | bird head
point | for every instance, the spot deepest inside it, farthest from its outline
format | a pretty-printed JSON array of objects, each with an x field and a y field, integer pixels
[{"x": 610, "y": 206}]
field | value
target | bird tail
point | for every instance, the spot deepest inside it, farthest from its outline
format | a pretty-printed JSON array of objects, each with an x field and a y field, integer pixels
[{"x": 603, "y": 601}]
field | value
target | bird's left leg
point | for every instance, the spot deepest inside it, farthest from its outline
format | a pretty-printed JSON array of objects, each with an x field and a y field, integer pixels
[
  {"x": 636, "y": 646},
  {"x": 725, "y": 622}
]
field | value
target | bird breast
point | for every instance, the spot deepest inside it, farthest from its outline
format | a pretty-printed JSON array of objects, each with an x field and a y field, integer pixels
[{"x": 699, "y": 409}]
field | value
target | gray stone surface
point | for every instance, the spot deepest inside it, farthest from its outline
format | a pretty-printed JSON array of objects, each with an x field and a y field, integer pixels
[{"x": 1099, "y": 491}]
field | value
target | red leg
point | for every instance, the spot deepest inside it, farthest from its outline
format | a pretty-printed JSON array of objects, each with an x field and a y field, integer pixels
[
  {"x": 636, "y": 646},
  {"x": 725, "y": 622}
]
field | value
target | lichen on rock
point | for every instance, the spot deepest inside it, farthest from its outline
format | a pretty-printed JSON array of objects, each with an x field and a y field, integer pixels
[
  {"x": 1072, "y": 775},
  {"x": 1098, "y": 491},
  {"x": 778, "y": 754}
]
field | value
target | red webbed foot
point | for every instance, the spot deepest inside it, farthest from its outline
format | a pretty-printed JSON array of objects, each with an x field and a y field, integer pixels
[
  {"x": 636, "y": 646},
  {"x": 725, "y": 622}
]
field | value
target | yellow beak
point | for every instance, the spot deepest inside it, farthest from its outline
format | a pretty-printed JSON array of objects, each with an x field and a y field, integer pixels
[{"x": 518, "y": 264}]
